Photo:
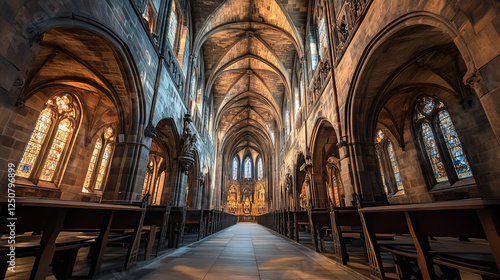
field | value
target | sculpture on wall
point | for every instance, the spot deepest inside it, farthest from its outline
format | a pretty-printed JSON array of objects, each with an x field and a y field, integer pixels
[{"x": 189, "y": 139}]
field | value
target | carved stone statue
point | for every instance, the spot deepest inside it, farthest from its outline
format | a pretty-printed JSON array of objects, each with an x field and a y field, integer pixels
[{"x": 189, "y": 140}]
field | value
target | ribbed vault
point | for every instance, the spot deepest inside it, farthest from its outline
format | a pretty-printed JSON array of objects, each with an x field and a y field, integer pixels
[{"x": 249, "y": 48}]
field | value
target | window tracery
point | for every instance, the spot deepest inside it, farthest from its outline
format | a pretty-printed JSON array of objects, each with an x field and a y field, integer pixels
[
  {"x": 99, "y": 161},
  {"x": 235, "y": 168},
  {"x": 247, "y": 168},
  {"x": 49, "y": 140},
  {"x": 389, "y": 167},
  {"x": 172, "y": 25},
  {"x": 322, "y": 38},
  {"x": 260, "y": 171},
  {"x": 443, "y": 149}
]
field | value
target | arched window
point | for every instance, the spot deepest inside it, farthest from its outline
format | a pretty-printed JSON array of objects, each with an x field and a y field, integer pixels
[
  {"x": 150, "y": 15},
  {"x": 247, "y": 168},
  {"x": 155, "y": 179},
  {"x": 260, "y": 170},
  {"x": 199, "y": 101},
  {"x": 389, "y": 167},
  {"x": 149, "y": 175},
  {"x": 336, "y": 189},
  {"x": 439, "y": 142},
  {"x": 296, "y": 99},
  {"x": 192, "y": 94},
  {"x": 287, "y": 120},
  {"x": 172, "y": 26},
  {"x": 235, "y": 168},
  {"x": 100, "y": 158},
  {"x": 322, "y": 38},
  {"x": 48, "y": 145}
]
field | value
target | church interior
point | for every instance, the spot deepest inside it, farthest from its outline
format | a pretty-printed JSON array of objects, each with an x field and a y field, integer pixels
[{"x": 250, "y": 139}]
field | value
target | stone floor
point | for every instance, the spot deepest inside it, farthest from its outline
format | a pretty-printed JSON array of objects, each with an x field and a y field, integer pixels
[{"x": 244, "y": 251}]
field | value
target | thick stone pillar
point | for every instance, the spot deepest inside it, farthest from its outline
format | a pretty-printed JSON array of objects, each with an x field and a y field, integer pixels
[{"x": 179, "y": 194}]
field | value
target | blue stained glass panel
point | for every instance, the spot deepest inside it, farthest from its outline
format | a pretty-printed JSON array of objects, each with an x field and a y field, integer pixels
[
  {"x": 433, "y": 154},
  {"x": 454, "y": 146},
  {"x": 395, "y": 166},
  {"x": 428, "y": 105}
]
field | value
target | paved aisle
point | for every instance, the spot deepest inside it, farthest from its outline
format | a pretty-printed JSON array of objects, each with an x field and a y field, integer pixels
[{"x": 243, "y": 251}]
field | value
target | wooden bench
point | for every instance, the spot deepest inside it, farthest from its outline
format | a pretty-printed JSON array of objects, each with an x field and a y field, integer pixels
[
  {"x": 320, "y": 221},
  {"x": 345, "y": 221},
  {"x": 299, "y": 218},
  {"x": 154, "y": 227},
  {"x": 472, "y": 218},
  {"x": 55, "y": 217},
  {"x": 176, "y": 223},
  {"x": 157, "y": 217},
  {"x": 194, "y": 219},
  {"x": 289, "y": 224}
]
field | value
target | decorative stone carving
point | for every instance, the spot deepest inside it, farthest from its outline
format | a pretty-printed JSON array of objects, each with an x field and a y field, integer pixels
[
  {"x": 347, "y": 20},
  {"x": 189, "y": 139},
  {"x": 474, "y": 80}
]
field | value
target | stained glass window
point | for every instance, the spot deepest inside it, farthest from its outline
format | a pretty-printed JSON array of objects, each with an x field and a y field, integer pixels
[
  {"x": 287, "y": 122},
  {"x": 235, "y": 169},
  {"x": 247, "y": 165},
  {"x": 35, "y": 143},
  {"x": 260, "y": 171},
  {"x": 108, "y": 133},
  {"x": 145, "y": 188},
  {"x": 433, "y": 153},
  {"x": 172, "y": 25},
  {"x": 192, "y": 96},
  {"x": 380, "y": 136},
  {"x": 428, "y": 105},
  {"x": 322, "y": 37},
  {"x": 436, "y": 122},
  {"x": 454, "y": 146},
  {"x": 199, "y": 101},
  {"x": 395, "y": 166},
  {"x": 384, "y": 149},
  {"x": 384, "y": 182},
  {"x": 297, "y": 100},
  {"x": 93, "y": 162},
  {"x": 103, "y": 168},
  {"x": 63, "y": 134},
  {"x": 149, "y": 170},
  {"x": 335, "y": 187}
]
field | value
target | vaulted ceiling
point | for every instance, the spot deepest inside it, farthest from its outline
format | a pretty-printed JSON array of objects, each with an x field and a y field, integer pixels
[{"x": 249, "y": 47}]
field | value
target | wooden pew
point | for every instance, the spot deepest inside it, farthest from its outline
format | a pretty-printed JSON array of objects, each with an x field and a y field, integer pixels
[
  {"x": 319, "y": 220},
  {"x": 342, "y": 218},
  {"x": 156, "y": 218},
  {"x": 51, "y": 217},
  {"x": 472, "y": 218},
  {"x": 155, "y": 224},
  {"x": 176, "y": 223},
  {"x": 299, "y": 218},
  {"x": 194, "y": 219},
  {"x": 290, "y": 223}
]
